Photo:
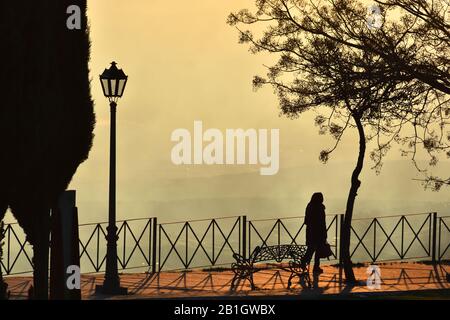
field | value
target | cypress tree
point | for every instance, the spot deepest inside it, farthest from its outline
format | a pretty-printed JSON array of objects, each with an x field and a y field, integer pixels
[{"x": 46, "y": 113}]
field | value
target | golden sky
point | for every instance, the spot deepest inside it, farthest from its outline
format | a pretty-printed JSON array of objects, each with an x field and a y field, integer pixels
[{"x": 184, "y": 64}]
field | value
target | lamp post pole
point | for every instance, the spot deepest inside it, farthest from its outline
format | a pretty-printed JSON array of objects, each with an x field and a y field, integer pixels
[
  {"x": 112, "y": 281},
  {"x": 111, "y": 284}
]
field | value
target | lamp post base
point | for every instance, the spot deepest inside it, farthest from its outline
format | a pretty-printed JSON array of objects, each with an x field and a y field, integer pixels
[{"x": 111, "y": 290}]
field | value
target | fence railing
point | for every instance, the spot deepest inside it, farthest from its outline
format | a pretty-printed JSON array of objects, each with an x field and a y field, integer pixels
[
  {"x": 135, "y": 247},
  {"x": 289, "y": 230},
  {"x": 444, "y": 239},
  {"x": 394, "y": 238},
  {"x": 198, "y": 243},
  {"x": 148, "y": 246},
  {"x": 17, "y": 254}
]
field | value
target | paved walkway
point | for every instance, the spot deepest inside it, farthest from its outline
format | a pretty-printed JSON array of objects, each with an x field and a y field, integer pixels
[{"x": 396, "y": 277}]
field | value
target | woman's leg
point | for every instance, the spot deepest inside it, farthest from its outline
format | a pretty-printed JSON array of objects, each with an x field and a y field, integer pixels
[
  {"x": 316, "y": 261},
  {"x": 308, "y": 255}
]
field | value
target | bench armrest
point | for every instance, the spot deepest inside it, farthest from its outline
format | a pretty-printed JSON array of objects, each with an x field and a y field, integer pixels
[{"x": 239, "y": 259}]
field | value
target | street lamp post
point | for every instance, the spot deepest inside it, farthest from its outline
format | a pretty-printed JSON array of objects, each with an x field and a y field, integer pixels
[{"x": 113, "y": 82}]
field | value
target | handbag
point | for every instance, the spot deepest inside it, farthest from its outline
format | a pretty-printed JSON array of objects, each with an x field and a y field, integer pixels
[{"x": 324, "y": 251}]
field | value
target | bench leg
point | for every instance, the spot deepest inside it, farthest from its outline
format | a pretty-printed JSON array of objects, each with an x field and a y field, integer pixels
[
  {"x": 243, "y": 275},
  {"x": 303, "y": 277},
  {"x": 233, "y": 282},
  {"x": 305, "y": 280},
  {"x": 252, "y": 283},
  {"x": 290, "y": 280}
]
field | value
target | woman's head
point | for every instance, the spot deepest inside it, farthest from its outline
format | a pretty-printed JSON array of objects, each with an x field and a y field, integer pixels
[{"x": 317, "y": 198}]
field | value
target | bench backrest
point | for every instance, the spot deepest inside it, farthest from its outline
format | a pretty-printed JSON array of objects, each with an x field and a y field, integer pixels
[{"x": 278, "y": 252}]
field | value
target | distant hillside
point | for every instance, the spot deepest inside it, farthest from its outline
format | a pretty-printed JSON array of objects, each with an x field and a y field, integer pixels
[{"x": 285, "y": 194}]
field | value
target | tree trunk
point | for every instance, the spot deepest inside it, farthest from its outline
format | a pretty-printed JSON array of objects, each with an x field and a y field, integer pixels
[
  {"x": 41, "y": 255},
  {"x": 355, "y": 183}
]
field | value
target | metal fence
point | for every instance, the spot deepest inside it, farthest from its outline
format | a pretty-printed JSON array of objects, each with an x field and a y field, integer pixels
[
  {"x": 393, "y": 238},
  {"x": 199, "y": 243},
  {"x": 135, "y": 247},
  {"x": 17, "y": 253},
  {"x": 444, "y": 239},
  {"x": 146, "y": 245},
  {"x": 289, "y": 230}
]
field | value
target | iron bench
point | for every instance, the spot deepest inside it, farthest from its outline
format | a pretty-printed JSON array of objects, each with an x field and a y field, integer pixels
[{"x": 245, "y": 268}]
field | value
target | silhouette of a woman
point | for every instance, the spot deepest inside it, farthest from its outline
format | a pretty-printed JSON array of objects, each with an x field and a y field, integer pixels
[{"x": 316, "y": 230}]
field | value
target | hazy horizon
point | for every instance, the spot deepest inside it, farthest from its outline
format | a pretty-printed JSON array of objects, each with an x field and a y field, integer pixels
[{"x": 200, "y": 72}]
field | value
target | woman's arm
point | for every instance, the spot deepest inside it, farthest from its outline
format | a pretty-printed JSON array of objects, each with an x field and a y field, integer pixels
[
  {"x": 324, "y": 223},
  {"x": 307, "y": 215}
]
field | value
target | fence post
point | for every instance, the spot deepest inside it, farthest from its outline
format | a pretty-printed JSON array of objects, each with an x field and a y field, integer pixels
[
  {"x": 154, "y": 243},
  {"x": 433, "y": 245},
  {"x": 244, "y": 237},
  {"x": 341, "y": 224}
]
